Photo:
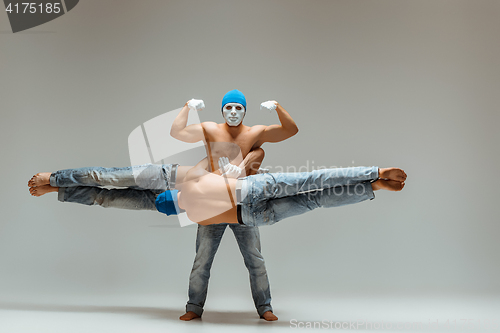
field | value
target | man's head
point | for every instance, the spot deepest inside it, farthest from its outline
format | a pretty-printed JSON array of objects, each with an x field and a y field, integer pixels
[{"x": 234, "y": 107}]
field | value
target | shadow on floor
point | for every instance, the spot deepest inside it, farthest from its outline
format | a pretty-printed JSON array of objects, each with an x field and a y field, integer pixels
[{"x": 209, "y": 317}]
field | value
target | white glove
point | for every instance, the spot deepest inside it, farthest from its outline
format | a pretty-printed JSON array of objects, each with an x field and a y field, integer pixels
[
  {"x": 269, "y": 105},
  {"x": 196, "y": 104},
  {"x": 228, "y": 169}
]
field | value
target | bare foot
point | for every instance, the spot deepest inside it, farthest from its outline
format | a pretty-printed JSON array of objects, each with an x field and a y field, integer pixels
[
  {"x": 389, "y": 185},
  {"x": 392, "y": 174},
  {"x": 190, "y": 315},
  {"x": 41, "y": 190},
  {"x": 39, "y": 179},
  {"x": 269, "y": 316}
]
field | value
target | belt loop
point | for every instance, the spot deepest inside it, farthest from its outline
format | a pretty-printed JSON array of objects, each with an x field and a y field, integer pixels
[
  {"x": 239, "y": 183},
  {"x": 173, "y": 176}
]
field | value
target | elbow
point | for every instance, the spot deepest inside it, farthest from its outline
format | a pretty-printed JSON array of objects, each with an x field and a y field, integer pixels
[
  {"x": 294, "y": 130},
  {"x": 174, "y": 133},
  {"x": 259, "y": 154}
]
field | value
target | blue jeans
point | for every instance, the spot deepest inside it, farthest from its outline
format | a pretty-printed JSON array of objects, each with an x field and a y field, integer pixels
[
  {"x": 207, "y": 242},
  {"x": 269, "y": 198},
  {"x": 143, "y": 182}
]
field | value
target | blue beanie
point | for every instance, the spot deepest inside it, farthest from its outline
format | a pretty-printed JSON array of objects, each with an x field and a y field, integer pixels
[
  {"x": 234, "y": 96},
  {"x": 166, "y": 202}
]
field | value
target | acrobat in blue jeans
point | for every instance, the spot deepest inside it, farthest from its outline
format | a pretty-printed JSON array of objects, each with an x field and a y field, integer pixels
[{"x": 208, "y": 239}]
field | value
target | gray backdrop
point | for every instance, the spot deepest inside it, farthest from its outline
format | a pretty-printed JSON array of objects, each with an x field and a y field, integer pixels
[{"x": 412, "y": 84}]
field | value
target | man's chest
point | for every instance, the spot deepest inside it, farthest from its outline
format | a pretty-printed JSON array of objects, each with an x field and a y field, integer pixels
[{"x": 225, "y": 141}]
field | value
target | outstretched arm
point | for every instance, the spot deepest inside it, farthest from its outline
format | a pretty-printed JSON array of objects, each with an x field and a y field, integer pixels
[
  {"x": 190, "y": 134},
  {"x": 277, "y": 133}
]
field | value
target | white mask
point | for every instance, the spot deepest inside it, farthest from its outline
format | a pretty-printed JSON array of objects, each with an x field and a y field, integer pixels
[{"x": 233, "y": 113}]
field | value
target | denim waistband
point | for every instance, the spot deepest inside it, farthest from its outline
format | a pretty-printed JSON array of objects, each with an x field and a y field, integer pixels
[{"x": 239, "y": 185}]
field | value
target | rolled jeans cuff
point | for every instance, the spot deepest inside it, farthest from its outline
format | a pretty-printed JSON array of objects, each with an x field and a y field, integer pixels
[
  {"x": 52, "y": 180},
  {"x": 264, "y": 308},
  {"x": 194, "y": 308},
  {"x": 375, "y": 173},
  {"x": 369, "y": 190},
  {"x": 60, "y": 193}
]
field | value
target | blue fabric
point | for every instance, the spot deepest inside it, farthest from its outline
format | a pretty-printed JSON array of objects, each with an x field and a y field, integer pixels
[
  {"x": 146, "y": 176},
  {"x": 165, "y": 202},
  {"x": 208, "y": 239},
  {"x": 234, "y": 96},
  {"x": 272, "y": 197},
  {"x": 143, "y": 182}
]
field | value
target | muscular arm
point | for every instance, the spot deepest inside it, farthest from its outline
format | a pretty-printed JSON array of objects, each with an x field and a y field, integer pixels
[
  {"x": 277, "y": 133},
  {"x": 190, "y": 134},
  {"x": 251, "y": 163}
]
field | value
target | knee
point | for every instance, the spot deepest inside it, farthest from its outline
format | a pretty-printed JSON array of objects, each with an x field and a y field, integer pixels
[
  {"x": 255, "y": 262},
  {"x": 312, "y": 200},
  {"x": 101, "y": 198},
  {"x": 94, "y": 175},
  {"x": 256, "y": 268}
]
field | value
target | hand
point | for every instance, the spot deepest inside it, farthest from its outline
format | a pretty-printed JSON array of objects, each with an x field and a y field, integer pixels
[
  {"x": 269, "y": 105},
  {"x": 227, "y": 169},
  {"x": 196, "y": 104}
]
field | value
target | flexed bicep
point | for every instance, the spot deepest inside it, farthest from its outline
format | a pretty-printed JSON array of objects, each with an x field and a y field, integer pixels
[{"x": 192, "y": 133}]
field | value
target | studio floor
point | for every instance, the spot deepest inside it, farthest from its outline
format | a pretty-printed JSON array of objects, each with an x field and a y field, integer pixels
[{"x": 136, "y": 314}]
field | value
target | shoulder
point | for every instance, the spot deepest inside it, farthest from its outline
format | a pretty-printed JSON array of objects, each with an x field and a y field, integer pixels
[
  {"x": 257, "y": 128},
  {"x": 209, "y": 125}
]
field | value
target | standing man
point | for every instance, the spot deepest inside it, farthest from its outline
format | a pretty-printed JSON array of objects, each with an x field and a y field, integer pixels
[{"x": 249, "y": 140}]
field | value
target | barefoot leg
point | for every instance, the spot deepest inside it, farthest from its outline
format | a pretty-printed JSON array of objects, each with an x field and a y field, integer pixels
[
  {"x": 38, "y": 191},
  {"x": 269, "y": 316},
  {"x": 389, "y": 185},
  {"x": 392, "y": 174},
  {"x": 41, "y": 178},
  {"x": 190, "y": 315}
]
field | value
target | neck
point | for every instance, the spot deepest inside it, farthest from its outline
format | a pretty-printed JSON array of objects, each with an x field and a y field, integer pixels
[{"x": 233, "y": 129}]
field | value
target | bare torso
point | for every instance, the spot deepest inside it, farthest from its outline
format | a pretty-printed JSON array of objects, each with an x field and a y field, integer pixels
[{"x": 233, "y": 142}]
